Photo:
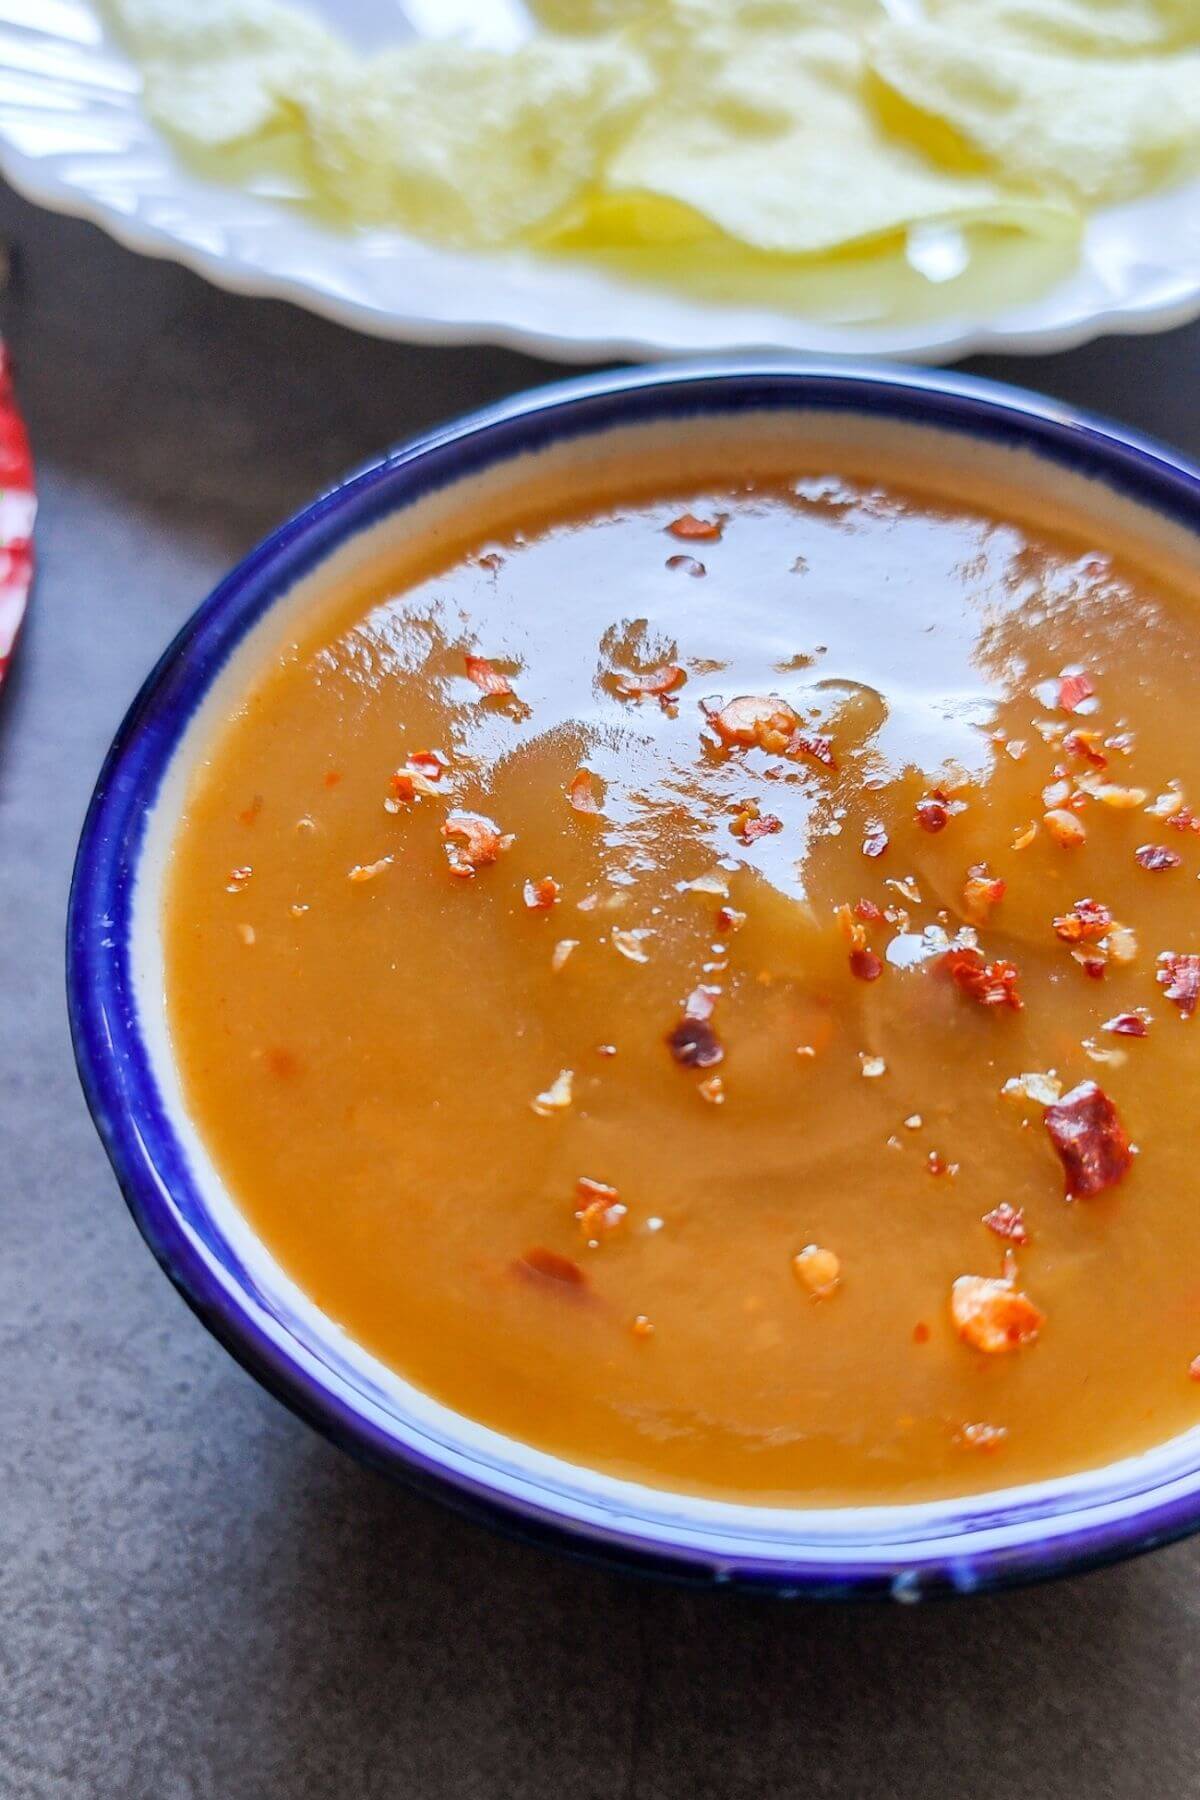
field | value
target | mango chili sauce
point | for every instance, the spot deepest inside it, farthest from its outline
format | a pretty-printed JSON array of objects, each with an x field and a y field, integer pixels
[{"x": 704, "y": 985}]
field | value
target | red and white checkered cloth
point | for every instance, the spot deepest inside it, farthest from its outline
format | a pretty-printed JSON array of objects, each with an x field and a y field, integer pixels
[{"x": 18, "y": 504}]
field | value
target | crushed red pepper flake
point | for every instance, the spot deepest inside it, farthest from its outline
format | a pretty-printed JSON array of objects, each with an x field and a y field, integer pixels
[
  {"x": 1065, "y": 828},
  {"x": 982, "y": 891},
  {"x": 875, "y": 839},
  {"x": 249, "y": 814},
  {"x": 693, "y": 1042},
  {"x": 541, "y": 895},
  {"x": 866, "y": 965},
  {"x": 815, "y": 744},
  {"x": 988, "y": 983},
  {"x": 1007, "y": 1222},
  {"x": 754, "y": 719},
  {"x": 1073, "y": 690},
  {"x": 1129, "y": 1024},
  {"x": 992, "y": 1314},
  {"x": 692, "y": 529},
  {"x": 765, "y": 826},
  {"x": 867, "y": 909},
  {"x": 332, "y": 777},
  {"x": 1086, "y": 1130},
  {"x": 1179, "y": 977},
  {"x": 1085, "y": 744},
  {"x": 921, "y": 1332},
  {"x": 1194, "y": 1368},
  {"x": 599, "y": 1211},
  {"x": 658, "y": 681},
  {"x": 581, "y": 792},
  {"x": 427, "y": 763},
  {"x": 487, "y": 679},
  {"x": 552, "y": 1268},
  {"x": 403, "y": 787},
  {"x": 1184, "y": 819},
  {"x": 1087, "y": 922},
  {"x": 729, "y": 918},
  {"x": 472, "y": 842},
  {"x": 932, "y": 813},
  {"x": 1157, "y": 856},
  {"x": 688, "y": 564}
]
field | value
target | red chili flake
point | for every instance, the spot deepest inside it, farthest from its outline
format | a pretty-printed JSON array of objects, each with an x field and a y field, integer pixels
[
  {"x": 815, "y": 744},
  {"x": 600, "y": 1210},
  {"x": 1073, "y": 690},
  {"x": 936, "y": 1163},
  {"x": 282, "y": 1062},
  {"x": 693, "y": 1042},
  {"x": 663, "y": 680},
  {"x": 754, "y": 719},
  {"x": 867, "y": 909},
  {"x": 1007, "y": 1222},
  {"x": 581, "y": 792},
  {"x": 1130, "y": 1024},
  {"x": 541, "y": 895},
  {"x": 932, "y": 814},
  {"x": 766, "y": 826},
  {"x": 472, "y": 841},
  {"x": 404, "y": 788},
  {"x": 589, "y": 1190},
  {"x": 1086, "y": 1130},
  {"x": 1184, "y": 820},
  {"x": 542, "y": 1265},
  {"x": 1093, "y": 966},
  {"x": 729, "y": 918},
  {"x": 1179, "y": 978},
  {"x": 991, "y": 984},
  {"x": 981, "y": 892},
  {"x": 1087, "y": 921},
  {"x": 487, "y": 679},
  {"x": 426, "y": 763},
  {"x": 689, "y": 527},
  {"x": 1084, "y": 744},
  {"x": 866, "y": 965},
  {"x": 875, "y": 839},
  {"x": 1157, "y": 856},
  {"x": 688, "y": 564},
  {"x": 249, "y": 813},
  {"x": 1194, "y": 1368},
  {"x": 921, "y": 1332},
  {"x": 332, "y": 777}
]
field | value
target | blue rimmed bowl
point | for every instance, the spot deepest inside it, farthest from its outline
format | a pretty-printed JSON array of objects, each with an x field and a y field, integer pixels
[{"x": 192, "y": 1224}]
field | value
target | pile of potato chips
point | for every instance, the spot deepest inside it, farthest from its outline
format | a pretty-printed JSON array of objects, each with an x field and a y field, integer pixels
[{"x": 753, "y": 136}]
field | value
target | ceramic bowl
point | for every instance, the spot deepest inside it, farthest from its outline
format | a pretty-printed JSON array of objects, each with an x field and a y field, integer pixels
[{"x": 192, "y": 1224}]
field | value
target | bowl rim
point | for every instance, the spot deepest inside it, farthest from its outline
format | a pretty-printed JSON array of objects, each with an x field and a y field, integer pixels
[{"x": 116, "y": 1070}]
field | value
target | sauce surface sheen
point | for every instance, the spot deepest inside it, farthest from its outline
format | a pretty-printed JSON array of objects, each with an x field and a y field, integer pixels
[{"x": 363, "y": 1033}]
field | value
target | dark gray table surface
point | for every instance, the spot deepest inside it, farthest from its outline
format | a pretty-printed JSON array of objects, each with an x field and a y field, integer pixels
[{"x": 198, "y": 1597}]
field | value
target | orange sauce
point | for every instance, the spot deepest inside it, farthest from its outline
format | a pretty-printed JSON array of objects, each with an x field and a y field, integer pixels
[{"x": 659, "y": 1135}]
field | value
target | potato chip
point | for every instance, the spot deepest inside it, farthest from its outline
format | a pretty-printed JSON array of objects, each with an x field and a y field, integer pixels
[
  {"x": 219, "y": 73},
  {"x": 823, "y": 154},
  {"x": 469, "y": 146},
  {"x": 765, "y": 132},
  {"x": 473, "y": 147},
  {"x": 1094, "y": 127}
]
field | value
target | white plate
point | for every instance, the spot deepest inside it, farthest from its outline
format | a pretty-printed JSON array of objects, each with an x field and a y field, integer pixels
[{"x": 73, "y": 137}]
